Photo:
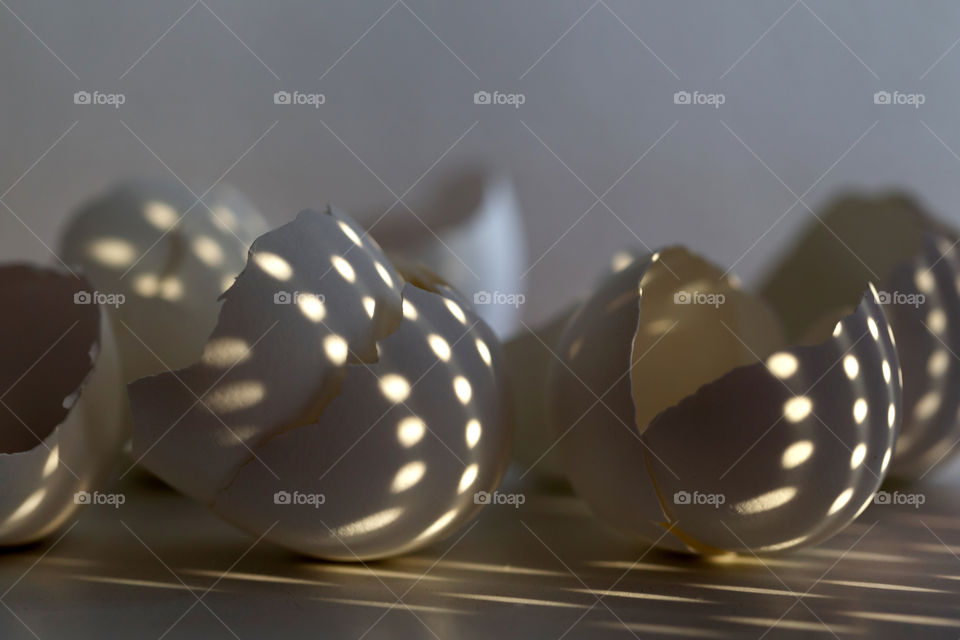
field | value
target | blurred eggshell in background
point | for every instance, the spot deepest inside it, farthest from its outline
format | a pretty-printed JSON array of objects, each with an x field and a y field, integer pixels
[
  {"x": 472, "y": 235},
  {"x": 170, "y": 256},
  {"x": 329, "y": 377},
  {"x": 61, "y": 400},
  {"x": 913, "y": 256},
  {"x": 683, "y": 417}
]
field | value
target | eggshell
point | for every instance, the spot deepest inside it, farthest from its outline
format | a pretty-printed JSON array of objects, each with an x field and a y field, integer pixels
[
  {"x": 61, "y": 400},
  {"x": 656, "y": 399},
  {"x": 169, "y": 256},
  {"x": 382, "y": 397},
  {"x": 472, "y": 235},
  {"x": 890, "y": 239}
]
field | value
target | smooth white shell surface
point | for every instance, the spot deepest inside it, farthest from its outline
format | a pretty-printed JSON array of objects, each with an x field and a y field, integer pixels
[
  {"x": 383, "y": 398},
  {"x": 169, "y": 256}
]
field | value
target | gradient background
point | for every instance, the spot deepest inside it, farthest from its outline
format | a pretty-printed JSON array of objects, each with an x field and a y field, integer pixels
[{"x": 399, "y": 78}]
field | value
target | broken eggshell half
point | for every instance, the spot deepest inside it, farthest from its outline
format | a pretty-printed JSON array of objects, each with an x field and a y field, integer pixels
[
  {"x": 684, "y": 418},
  {"x": 337, "y": 410},
  {"x": 471, "y": 233},
  {"x": 914, "y": 258},
  {"x": 159, "y": 258},
  {"x": 61, "y": 400}
]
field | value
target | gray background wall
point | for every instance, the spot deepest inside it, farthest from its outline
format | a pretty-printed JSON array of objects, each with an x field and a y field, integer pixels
[{"x": 399, "y": 77}]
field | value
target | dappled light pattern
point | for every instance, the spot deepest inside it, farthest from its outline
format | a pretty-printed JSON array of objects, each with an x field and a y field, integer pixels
[
  {"x": 60, "y": 400},
  {"x": 170, "y": 257},
  {"x": 352, "y": 419},
  {"x": 711, "y": 434},
  {"x": 913, "y": 260},
  {"x": 536, "y": 572}
]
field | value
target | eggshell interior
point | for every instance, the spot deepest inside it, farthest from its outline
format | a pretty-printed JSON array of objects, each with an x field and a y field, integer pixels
[
  {"x": 643, "y": 416},
  {"x": 61, "y": 401},
  {"x": 890, "y": 240}
]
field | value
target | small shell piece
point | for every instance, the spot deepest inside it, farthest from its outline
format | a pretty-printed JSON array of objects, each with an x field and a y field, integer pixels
[
  {"x": 683, "y": 419},
  {"x": 61, "y": 400},
  {"x": 916, "y": 260},
  {"x": 169, "y": 256},
  {"x": 336, "y": 409}
]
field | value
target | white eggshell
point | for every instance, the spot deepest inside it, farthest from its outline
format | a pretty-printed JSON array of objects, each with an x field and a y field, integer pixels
[
  {"x": 789, "y": 445},
  {"x": 918, "y": 263},
  {"x": 62, "y": 395},
  {"x": 381, "y": 397},
  {"x": 169, "y": 256},
  {"x": 473, "y": 236}
]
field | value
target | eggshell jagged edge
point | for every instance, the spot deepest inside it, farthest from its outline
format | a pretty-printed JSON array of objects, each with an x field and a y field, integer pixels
[
  {"x": 859, "y": 230},
  {"x": 458, "y": 245},
  {"x": 38, "y": 486},
  {"x": 744, "y": 452},
  {"x": 635, "y": 491},
  {"x": 178, "y": 433},
  {"x": 386, "y": 494},
  {"x": 208, "y": 461}
]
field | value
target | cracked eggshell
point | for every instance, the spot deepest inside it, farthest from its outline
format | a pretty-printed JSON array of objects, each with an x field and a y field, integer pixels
[
  {"x": 169, "y": 256},
  {"x": 890, "y": 239},
  {"x": 472, "y": 235},
  {"x": 695, "y": 427},
  {"x": 355, "y": 419},
  {"x": 530, "y": 355},
  {"x": 61, "y": 425}
]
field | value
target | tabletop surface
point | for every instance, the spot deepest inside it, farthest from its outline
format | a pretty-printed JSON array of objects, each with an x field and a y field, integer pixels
[{"x": 162, "y": 566}]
